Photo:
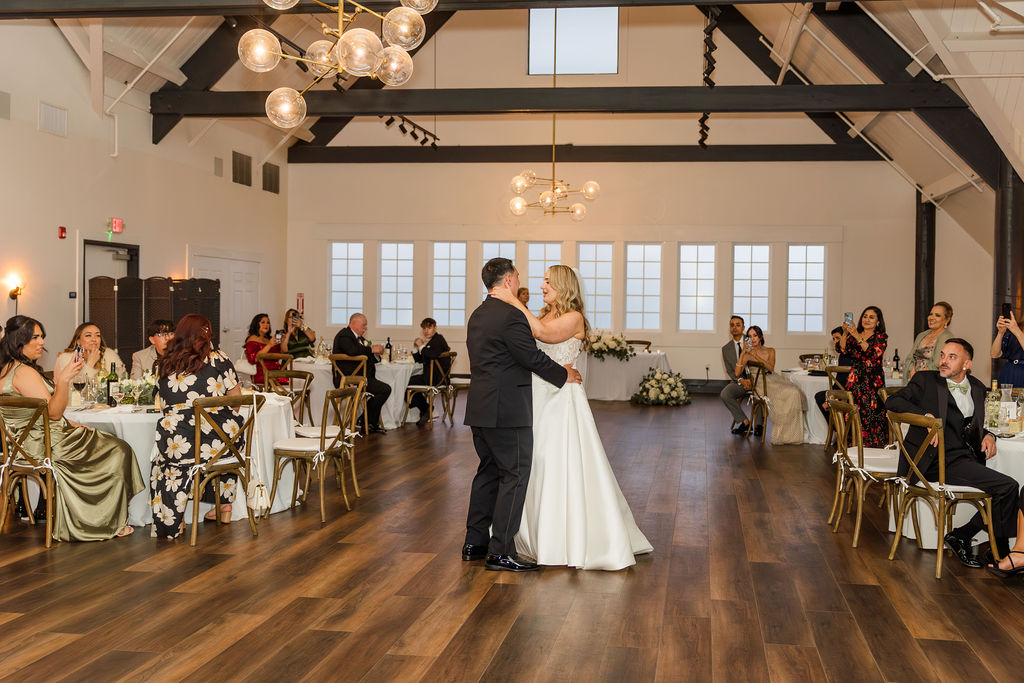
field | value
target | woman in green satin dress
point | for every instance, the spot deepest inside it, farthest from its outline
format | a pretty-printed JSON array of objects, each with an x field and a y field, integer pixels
[{"x": 96, "y": 473}]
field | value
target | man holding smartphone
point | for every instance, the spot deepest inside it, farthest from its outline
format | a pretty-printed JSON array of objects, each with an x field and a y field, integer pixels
[{"x": 738, "y": 387}]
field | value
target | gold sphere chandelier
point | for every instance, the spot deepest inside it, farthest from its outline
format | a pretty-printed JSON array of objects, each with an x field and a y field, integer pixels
[{"x": 356, "y": 51}]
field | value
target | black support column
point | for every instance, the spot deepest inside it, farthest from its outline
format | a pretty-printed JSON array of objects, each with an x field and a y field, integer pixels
[
  {"x": 1008, "y": 250},
  {"x": 924, "y": 263}
]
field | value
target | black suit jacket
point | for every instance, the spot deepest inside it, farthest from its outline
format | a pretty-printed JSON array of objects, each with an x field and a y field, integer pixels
[
  {"x": 502, "y": 355},
  {"x": 927, "y": 393},
  {"x": 434, "y": 347},
  {"x": 348, "y": 343}
]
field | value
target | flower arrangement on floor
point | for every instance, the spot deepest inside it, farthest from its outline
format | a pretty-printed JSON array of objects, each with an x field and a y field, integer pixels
[
  {"x": 660, "y": 388},
  {"x": 614, "y": 345}
]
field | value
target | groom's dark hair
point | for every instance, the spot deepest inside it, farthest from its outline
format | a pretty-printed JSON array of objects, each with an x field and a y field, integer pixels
[{"x": 495, "y": 270}]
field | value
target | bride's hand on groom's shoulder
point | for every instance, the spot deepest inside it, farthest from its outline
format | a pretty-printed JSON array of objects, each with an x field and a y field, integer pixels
[{"x": 505, "y": 295}]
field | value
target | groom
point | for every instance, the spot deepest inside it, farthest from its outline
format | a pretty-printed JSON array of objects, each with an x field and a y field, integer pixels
[{"x": 502, "y": 354}]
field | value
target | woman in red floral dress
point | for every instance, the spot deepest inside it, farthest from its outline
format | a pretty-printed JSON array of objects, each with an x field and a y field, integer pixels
[{"x": 866, "y": 345}]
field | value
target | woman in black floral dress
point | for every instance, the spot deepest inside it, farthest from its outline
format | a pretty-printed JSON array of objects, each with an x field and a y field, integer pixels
[
  {"x": 866, "y": 346},
  {"x": 189, "y": 369}
]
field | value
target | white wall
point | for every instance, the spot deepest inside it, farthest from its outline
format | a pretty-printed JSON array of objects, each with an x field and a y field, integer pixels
[{"x": 167, "y": 193}]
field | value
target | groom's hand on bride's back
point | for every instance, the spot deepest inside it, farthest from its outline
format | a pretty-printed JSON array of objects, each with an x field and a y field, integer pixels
[{"x": 574, "y": 375}]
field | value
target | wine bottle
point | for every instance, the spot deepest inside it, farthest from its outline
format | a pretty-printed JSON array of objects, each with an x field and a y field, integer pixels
[
  {"x": 896, "y": 362},
  {"x": 112, "y": 385},
  {"x": 389, "y": 348},
  {"x": 992, "y": 400}
]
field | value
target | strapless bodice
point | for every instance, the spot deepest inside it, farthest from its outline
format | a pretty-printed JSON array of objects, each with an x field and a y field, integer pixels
[{"x": 562, "y": 353}]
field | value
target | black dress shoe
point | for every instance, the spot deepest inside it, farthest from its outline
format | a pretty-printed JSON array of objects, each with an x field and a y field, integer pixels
[
  {"x": 472, "y": 552},
  {"x": 377, "y": 429},
  {"x": 423, "y": 420},
  {"x": 740, "y": 429},
  {"x": 758, "y": 430},
  {"x": 508, "y": 563},
  {"x": 962, "y": 550}
]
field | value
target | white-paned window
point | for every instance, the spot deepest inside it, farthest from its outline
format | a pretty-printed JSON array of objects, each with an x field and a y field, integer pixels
[
  {"x": 491, "y": 250},
  {"x": 346, "y": 295},
  {"x": 595, "y": 261},
  {"x": 750, "y": 283},
  {"x": 697, "y": 287},
  {"x": 805, "y": 292},
  {"x": 540, "y": 256},
  {"x": 588, "y": 40},
  {"x": 643, "y": 286},
  {"x": 450, "y": 283},
  {"x": 396, "y": 283}
]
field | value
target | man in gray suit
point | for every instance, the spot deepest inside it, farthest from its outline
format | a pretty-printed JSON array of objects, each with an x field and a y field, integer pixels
[{"x": 739, "y": 386}]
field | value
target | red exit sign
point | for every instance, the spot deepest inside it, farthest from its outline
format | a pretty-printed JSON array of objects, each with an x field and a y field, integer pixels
[{"x": 116, "y": 225}]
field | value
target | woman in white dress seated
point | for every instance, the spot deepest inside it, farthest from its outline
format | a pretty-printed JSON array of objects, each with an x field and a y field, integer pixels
[
  {"x": 786, "y": 403},
  {"x": 575, "y": 514}
]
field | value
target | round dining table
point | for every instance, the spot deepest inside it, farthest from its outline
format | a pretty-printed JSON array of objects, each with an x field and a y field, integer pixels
[{"x": 815, "y": 424}]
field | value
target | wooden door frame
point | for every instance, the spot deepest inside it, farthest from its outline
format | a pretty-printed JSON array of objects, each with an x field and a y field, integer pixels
[{"x": 134, "y": 252}]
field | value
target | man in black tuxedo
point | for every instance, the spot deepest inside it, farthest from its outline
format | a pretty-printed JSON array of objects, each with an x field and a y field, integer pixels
[
  {"x": 351, "y": 342},
  {"x": 502, "y": 355},
  {"x": 430, "y": 346},
  {"x": 958, "y": 399}
]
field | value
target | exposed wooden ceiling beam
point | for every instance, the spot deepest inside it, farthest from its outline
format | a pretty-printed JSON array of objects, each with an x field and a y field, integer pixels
[{"x": 160, "y": 68}]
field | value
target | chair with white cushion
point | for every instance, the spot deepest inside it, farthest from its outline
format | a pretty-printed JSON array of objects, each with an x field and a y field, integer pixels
[
  {"x": 19, "y": 466},
  {"x": 858, "y": 467},
  {"x": 295, "y": 390},
  {"x": 457, "y": 383},
  {"x": 437, "y": 385},
  {"x": 941, "y": 497}
]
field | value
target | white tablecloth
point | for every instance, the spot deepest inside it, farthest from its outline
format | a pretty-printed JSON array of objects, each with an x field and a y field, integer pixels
[
  {"x": 815, "y": 425},
  {"x": 139, "y": 430},
  {"x": 323, "y": 381},
  {"x": 397, "y": 375},
  {"x": 613, "y": 380}
]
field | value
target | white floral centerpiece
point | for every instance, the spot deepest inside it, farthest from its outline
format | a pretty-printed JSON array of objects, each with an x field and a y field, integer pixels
[
  {"x": 614, "y": 345},
  {"x": 146, "y": 385},
  {"x": 660, "y": 388}
]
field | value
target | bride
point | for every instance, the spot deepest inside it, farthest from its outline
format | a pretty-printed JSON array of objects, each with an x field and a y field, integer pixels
[{"x": 575, "y": 514}]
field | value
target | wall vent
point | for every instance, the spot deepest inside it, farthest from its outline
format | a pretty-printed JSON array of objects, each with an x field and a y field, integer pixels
[
  {"x": 241, "y": 168},
  {"x": 218, "y": 167},
  {"x": 53, "y": 119},
  {"x": 272, "y": 178},
  {"x": 5, "y": 105}
]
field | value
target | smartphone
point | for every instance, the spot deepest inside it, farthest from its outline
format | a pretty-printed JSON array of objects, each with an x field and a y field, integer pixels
[
  {"x": 278, "y": 336},
  {"x": 747, "y": 343},
  {"x": 1006, "y": 311},
  {"x": 848, "y": 318},
  {"x": 79, "y": 353}
]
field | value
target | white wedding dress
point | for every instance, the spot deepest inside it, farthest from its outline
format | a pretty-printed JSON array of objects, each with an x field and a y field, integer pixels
[{"x": 575, "y": 514}]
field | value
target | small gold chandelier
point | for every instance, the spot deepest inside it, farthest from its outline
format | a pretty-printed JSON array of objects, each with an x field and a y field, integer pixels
[{"x": 356, "y": 51}]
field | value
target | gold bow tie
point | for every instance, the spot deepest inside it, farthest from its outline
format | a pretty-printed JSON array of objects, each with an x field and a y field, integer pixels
[{"x": 953, "y": 386}]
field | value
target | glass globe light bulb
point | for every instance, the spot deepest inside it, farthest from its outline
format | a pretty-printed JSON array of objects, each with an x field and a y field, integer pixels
[
  {"x": 590, "y": 190},
  {"x": 548, "y": 200},
  {"x": 529, "y": 175},
  {"x": 520, "y": 184},
  {"x": 517, "y": 205},
  {"x": 281, "y": 4},
  {"x": 257, "y": 50},
  {"x": 404, "y": 28},
  {"x": 359, "y": 51},
  {"x": 562, "y": 190},
  {"x": 320, "y": 51},
  {"x": 286, "y": 108},
  {"x": 421, "y": 6},
  {"x": 578, "y": 212},
  {"x": 395, "y": 66}
]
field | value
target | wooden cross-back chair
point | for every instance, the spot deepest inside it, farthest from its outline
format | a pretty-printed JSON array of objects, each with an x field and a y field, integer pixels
[
  {"x": 640, "y": 342},
  {"x": 457, "y": 382},
  {"x": 857, "y": 466},
  {"x": 335, "y": 446},
  {"x": 284, "y": 361},
  {"x": 19, "y": 466},
  {"x": 758, "y": 397},
  {"x": 438, "y": 383},
  {"x": 231, "y": 458},
  {"x": 296, "y": 390},
  {"x": 831, "y": 371},
  {"x": 941, "y": 497},
  {"x": 358, "y": 371},
  {"x": 884, "y": 393}
]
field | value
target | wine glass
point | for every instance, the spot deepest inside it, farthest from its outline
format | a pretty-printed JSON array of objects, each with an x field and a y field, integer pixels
[
  {"x": 137, "y": 394},
  {"x": 78, "y": 383},
  {"x": 117, "y": 394}
]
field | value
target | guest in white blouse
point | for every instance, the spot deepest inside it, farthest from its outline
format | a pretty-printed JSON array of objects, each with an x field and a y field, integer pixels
[{"x": 98, "y": 356}]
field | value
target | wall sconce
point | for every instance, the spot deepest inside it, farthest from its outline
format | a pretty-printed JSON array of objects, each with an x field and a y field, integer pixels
[{"x": 16, "y": 288}]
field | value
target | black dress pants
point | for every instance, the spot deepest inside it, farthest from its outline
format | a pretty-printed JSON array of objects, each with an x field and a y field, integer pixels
[
  {"x": 499, "y": 487},
  {"x": 1005, "y": 491},
  {"x": 380, "y": 391},
  {"x": 419, "y": 400}
]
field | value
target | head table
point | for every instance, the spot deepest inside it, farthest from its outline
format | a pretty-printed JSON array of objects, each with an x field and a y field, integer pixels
[
  {"x": 139, "y": 430},
  {"x": 610, "y": 379}
]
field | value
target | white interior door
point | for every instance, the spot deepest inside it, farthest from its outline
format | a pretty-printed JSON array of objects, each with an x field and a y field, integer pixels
[
  {"x": 239, "y": 296},
  {"x": 102, "y": 260}
]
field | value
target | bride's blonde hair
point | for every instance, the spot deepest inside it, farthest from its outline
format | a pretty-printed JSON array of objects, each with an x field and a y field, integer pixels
[{"x": 569, "y": 296}]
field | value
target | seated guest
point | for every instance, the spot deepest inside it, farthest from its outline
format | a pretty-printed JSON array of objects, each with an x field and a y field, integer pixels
[
  {"x": 98, "y": 357},
  {"x": 1012, "y": 562},
  {"x": 96, "y": 473},
  {"x": 738, "y": 387},
  {"x": 788, "y": 402},
  {"x": 865, "y": 346},
  {"x": 159, "y": 332},
  {"x": 1009, "y": 347},
  {"x": 844, "y": 361},
  {"x": 428, "y": 347},
  {"x": 259, "y": 341},
  {"x": 350, "y": 341},
  {"x": 191, "y": 369},
  {"x": 296, "y": 338},
  {"x": 926, "y": 344},
  {"x": 958, "y": 399},
  {"x": 523, "y": 294}
]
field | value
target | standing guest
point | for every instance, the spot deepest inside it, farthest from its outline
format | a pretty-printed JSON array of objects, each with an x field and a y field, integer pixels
[
  {"x": 738, "y": 387},
  {"x": 159, "y": 332},
  {"x": 958, "y": 399},
  {"x": 96, "y": 473},
  {"x": 258, "y": 342},
  {"x": 844, "y": 361},
  {"x": 1009, "y": 347},
  {"x": 191, "y": 369},
  {"x": 351, "y": 342},
  {"x": 428, "y": 347},
  {"x": 865, "y": 345},
  {"x": 927, "y": 344},
  {"x": 98, "y": 357},
  {"x": 523, "y": 294},
  {"x": 296, "y": 338},
  {"x": 787, "y": 401}
]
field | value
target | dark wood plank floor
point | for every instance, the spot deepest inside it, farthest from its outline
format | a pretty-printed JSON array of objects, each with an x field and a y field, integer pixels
[{"x": 746, "y": 583}]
